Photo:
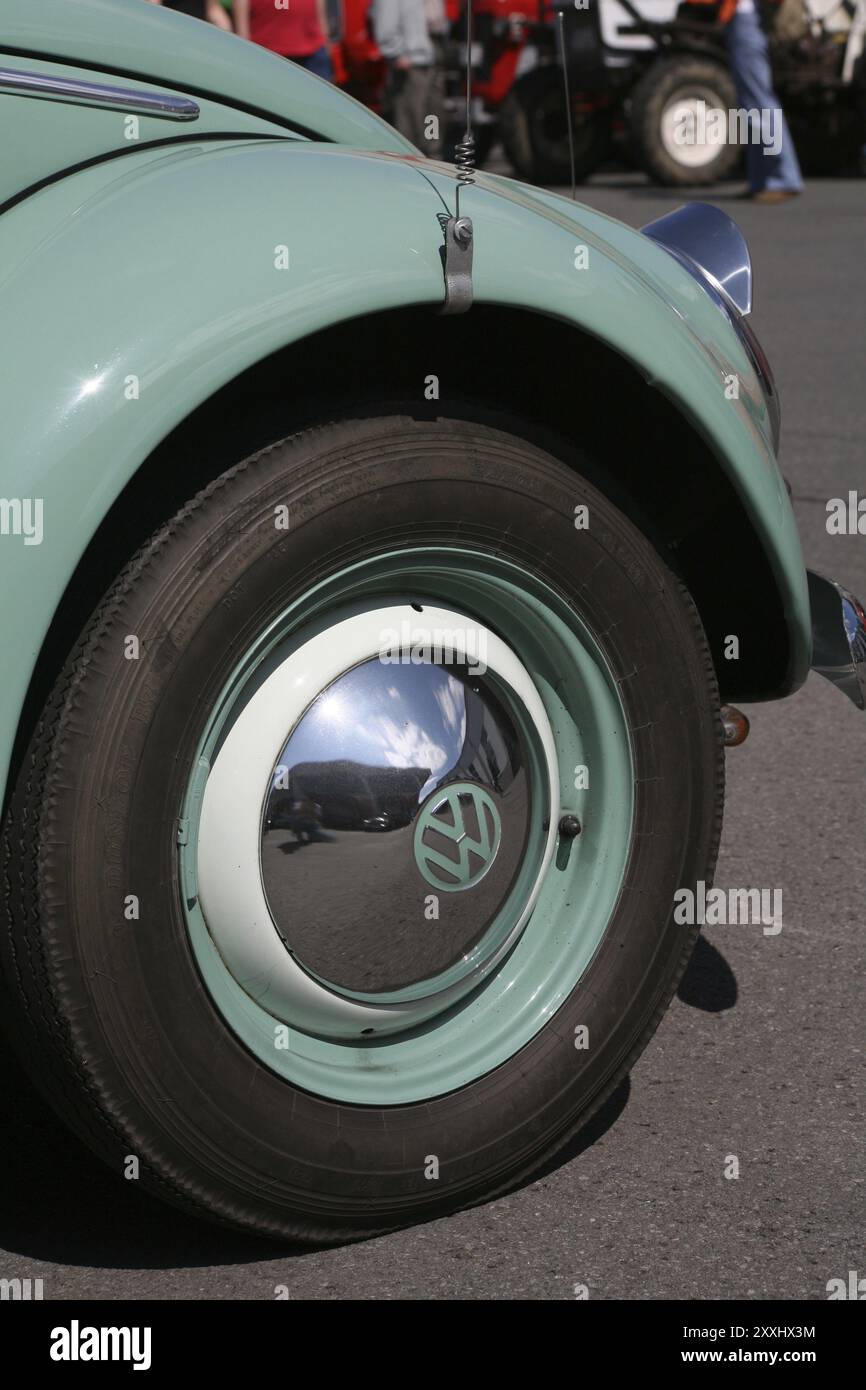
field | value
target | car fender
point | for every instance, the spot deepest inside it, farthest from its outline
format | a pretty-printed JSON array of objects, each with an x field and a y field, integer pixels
[
  {"x": 565, "y": 260},
  {"x": 139, "y": 287}
]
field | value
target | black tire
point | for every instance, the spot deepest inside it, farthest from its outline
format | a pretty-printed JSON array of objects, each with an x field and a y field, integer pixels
[
  {"x": 666, "y": 81},
  {"x": 115, "y": 1022},
  {"x": 535, "y": 131}
]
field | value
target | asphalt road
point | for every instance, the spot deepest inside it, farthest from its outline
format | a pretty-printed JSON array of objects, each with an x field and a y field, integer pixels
[{"x": 761, "y": 1055}]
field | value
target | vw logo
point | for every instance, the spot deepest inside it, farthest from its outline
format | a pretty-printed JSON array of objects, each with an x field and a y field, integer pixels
[{"x": 457, "y": 837}]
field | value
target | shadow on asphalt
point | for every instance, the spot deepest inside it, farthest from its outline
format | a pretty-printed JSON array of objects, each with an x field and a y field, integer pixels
[
  {"x": 59, "y": 1204},
  {"x": 709, "y": 982}
]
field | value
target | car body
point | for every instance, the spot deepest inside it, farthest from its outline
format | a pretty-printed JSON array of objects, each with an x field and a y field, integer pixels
[
  {"x": 209, "y": 259},
  {"x": 71, "y": 444}
]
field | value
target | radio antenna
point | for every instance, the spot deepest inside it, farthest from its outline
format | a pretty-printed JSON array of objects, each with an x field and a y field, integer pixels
[
  {"x": 464, "y": 152},
  {"x": 568, "y": 114}
]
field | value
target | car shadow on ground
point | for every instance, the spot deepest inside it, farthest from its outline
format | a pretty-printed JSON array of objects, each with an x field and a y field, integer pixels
[{"x": 58, "y": 1203}]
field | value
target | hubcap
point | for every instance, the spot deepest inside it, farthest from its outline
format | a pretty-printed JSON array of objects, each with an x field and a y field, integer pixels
[
  {"x": 378, "y": 890},
  {"x": 693, "y": 115},
  {"x": 396, "y": 821},
  {"x": 323, "y": 915}
]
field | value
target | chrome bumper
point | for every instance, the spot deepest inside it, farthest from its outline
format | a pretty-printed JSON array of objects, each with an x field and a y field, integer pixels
[{"x": 838, "y": 637}]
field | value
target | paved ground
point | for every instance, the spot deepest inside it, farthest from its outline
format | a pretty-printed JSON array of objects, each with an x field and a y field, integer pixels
[{"x": 760, "y": 1056}]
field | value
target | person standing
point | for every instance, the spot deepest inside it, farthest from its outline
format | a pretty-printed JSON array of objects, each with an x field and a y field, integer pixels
[
  {"x": 438, "y": 27},
  {"x": 297, "y": 30},
  {"x": 402, "y": 33},
  {"x": 773, "y": 178}
]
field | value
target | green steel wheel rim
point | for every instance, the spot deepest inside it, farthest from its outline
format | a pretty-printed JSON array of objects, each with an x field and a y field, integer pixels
[{"x": 576, "y": 895}]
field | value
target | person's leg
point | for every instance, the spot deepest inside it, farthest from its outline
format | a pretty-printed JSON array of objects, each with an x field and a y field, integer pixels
[
  {"x": 421, "y": 101},
  {"x": 748, "y": 51},
  {"x": 412, "y": 104},
  {"x": 318, "y": 63},
  {"x": 433, "y": 148},
  {"x": 401, "y": 104}
]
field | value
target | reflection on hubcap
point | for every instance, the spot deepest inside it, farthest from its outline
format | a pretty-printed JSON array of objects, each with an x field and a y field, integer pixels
[{"x": 398, "y": 788}]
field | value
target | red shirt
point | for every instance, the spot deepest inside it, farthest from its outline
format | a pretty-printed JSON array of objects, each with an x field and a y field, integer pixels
[{"x": 293, "y": 33}]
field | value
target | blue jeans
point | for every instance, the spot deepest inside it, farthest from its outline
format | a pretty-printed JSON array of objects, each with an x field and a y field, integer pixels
[
  {"x": 318, "y": 63},
  {"x": 748, "y": 52}
]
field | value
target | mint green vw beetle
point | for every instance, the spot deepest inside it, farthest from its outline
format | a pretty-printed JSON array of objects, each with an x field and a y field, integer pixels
[{"x": 367, "y": 618}]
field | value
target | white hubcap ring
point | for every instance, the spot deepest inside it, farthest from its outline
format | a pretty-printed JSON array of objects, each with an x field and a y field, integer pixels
[{"x": 229, "y": 875}]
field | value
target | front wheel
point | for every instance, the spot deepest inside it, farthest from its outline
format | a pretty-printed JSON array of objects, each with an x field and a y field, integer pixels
[{"x": 434, "y": 630}]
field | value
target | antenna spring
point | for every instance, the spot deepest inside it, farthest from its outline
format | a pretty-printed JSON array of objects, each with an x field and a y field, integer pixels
[{"x": 464, "y": 159}]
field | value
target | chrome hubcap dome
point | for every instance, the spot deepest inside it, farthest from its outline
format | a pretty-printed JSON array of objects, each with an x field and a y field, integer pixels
[{"x": 395, "y": 823}]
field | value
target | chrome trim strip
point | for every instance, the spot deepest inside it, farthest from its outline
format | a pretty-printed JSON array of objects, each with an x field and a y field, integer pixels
[
  {"x": 710, "y": 245},
  {"x": 838, "y": 637},
  {"x": 160, "y": 104}
]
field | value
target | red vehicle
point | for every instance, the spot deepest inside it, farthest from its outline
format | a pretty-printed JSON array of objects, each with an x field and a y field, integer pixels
[
  {"x": 631, "y": 65},
  {"x": 517, "y": 84},
  {"x": 517, "y": 81},
  {"x": 503, "y": 50}
]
